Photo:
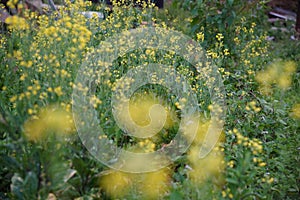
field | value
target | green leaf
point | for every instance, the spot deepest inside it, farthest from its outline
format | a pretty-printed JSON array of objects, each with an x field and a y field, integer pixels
[
  {"x": 31, "y": 185},
  {"x": 232, "y": 181},
  {"x": 17, "y": 186},
  {"x": 230, "y": 2}
]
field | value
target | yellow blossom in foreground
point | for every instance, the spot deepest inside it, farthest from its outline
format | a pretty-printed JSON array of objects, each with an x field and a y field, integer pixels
[
  {"x": 50, "y": 119},
  {"x": 296, "y": 111},
  {"x": 202, "y": 129},
  {"x": 12, "y": 4},
  {"x": 279, "y": 73},
  {"x": 140, "y": 107},
  {"x": 202, "y": 169},
  {"x": 155, "y": 184},
  {"x": 151, "y": 185},
  {"x": 115, "y": 183},
  {"x": 146, "y": 115}
]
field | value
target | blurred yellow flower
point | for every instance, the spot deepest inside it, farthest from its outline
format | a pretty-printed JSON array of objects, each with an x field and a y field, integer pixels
[
  {"x": 115, "y": 183},
  {"x": 296, "y": 111},
  {"x": 58, "y": 91},
  {"x": 278, "y": 73},
  {"x": 252, "y": 106},
  {"x": 262, "y": 164},
  {"x": 51, "y": 119},
  {"x": 211, "y": 165},
  {"x": 201, "y": 127},
  {"x": 147, "y": 115},
  {"x": 155, "y": 184},
  {"x": 150, "y": 185},
  {"x": 140, "y": 107}
]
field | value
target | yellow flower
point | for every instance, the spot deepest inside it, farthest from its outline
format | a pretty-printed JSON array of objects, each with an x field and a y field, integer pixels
[
  {"x": 262, "y": 164},
  {"x": 49, "y": 89},
  {"x": 219, "y": 37},
  {"x": 17, "y": 23},
  {"x": 200, "y": 37},
  {"x": 146, "y": 115},
  {"x": 226, "y": 52},
  {"x": 151, "y": 185},
  {"x": 51, "y": 118},
  {"x": 29, "y": 64},
  {"x": 58, "y": 91},
  {"x": 11, "y": 4},
  {"x": 13, "y": 99},
  {"x": 271, "y": 180},
  {"x": 290, "y": 67},
  {"x": 296, "y": 111},
  {"x": 230, "y": 164},
  {"x": 257, "y": 109},
  {"x": 22, "y": 78},
  {"x": 115, "y": 183},
  {"x": 279, "y": 73},
  {"x": 155, "y": 184},
  {"x": 30, "y": 111},
  {"x": 211, "y": 165},
  {"x": 236, "y": 40},
  {"x": 224, "y": 194}
]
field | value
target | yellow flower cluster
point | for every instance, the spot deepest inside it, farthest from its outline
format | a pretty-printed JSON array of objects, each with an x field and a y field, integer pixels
[
  {"x": 65, "y": 27},
  {"x": 252, "y": 106},
  {"x": 58, "y": 91},
  {"x": 17, "y": 23},
  {"x": 296, "y": 111},
  {"x": 212, "y": 164},
  {"x": 219, "y": 50},
  {"x": 279, "y": 73},
  {"x": 123, "y": 17},
  {"x": 227, "y": 193},
  {"x": 212, "y": 54},
  {"x": 255, "y": 145},
  {"x": 268, "y": 179},
  {"x": 48, "y": 55},
  {"x": 219, "y": 37},
  {"x": 95, "y": 101},
  {"x": 152, "y": 185},
  {"x": 207, "y": 167},
  {"x": 31, "y": 90},
  {"x": 147, "y": 146},
  {"x": 51, "y": 119},
  {"x": 252, "y": 49},
  {"x": 12, "y": 4},
  {"x": 145, "y": 111}
]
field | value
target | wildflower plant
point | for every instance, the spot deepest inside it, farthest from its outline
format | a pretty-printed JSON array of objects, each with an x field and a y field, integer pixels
[{"x": 123, "y": 88}]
